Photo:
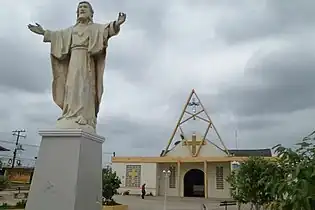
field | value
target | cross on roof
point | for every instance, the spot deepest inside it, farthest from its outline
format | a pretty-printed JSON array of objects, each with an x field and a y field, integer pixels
[
  {"x": 194, "y": 143},
  {"x": 193, "y": 102}
]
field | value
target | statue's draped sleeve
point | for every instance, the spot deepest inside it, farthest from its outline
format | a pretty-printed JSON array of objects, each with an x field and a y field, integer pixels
[
  {"x": 100, "y": 35},
  {"x": 60, "y": 55}
]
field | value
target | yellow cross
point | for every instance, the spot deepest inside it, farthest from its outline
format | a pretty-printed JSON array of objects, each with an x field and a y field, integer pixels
[
  {"x": 194, "y": 143},
  {"x": 133, "y": 173}
]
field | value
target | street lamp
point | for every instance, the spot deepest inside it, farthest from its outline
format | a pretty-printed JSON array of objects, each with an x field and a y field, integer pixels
[
  {"x": 166, "y": 173},
  {"x": 235, "y": 165}
]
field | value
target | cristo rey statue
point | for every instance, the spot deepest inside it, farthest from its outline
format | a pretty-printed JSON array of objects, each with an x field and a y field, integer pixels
[{"x": 78, "y": 60}]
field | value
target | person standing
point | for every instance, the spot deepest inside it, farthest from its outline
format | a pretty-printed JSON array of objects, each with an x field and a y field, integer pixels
[{"x": 143, "y": 191}]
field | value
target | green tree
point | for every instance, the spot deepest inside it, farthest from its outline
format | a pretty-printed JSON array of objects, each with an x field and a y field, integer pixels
[
  {"x": 4, "y": 182},
  {"x": 246, "y": 182},
  {"x": 288, "y": 183},
  {"x": 297, "y": 188},
  {"x": 111, "y": 184}
]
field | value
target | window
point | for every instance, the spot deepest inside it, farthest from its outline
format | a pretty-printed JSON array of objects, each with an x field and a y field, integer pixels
[
  {"x": 133, "y": 175},
  {"x": 219, "y": 178},
  {"x": 172, "y": 178}
]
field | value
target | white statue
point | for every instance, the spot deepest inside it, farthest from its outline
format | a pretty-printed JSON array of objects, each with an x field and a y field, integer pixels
[{"x": 78, "y": 60}]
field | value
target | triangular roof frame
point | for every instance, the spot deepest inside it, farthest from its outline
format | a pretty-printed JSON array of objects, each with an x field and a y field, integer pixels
[{"x": 195, "y": 115}]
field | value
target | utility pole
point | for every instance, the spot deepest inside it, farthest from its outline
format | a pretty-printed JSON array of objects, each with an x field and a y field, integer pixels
[
  {"x": 236, "y": 139},
  {"x": 18, "y": 134}
]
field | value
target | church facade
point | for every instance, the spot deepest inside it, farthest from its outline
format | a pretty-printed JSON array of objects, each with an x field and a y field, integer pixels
[
  {"x": 202, "y": 176},
  {"x": 194, "y": 167}
]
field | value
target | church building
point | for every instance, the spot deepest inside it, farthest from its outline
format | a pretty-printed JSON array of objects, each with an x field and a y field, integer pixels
[{"x": 190, "y": 166}]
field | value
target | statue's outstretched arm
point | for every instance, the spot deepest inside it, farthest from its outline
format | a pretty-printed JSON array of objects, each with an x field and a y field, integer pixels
[
  {"x": 114, "y": 27},
  {"x": 38, "y": 29}
]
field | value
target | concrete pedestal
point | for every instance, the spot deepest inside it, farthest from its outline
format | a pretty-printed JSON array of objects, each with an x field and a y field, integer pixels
[{"x": 68, "y": 173}]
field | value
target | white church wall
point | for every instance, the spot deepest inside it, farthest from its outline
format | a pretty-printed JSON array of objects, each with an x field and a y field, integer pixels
[
  {"x": 213, "y": 192},
  {"x": 208, "y": 150},
  {"x": 162, "y": 181},
  {"x": 179, "y": 151},
  {"x": 185, "y": 167},
  {"x": 148, "y": 176}
]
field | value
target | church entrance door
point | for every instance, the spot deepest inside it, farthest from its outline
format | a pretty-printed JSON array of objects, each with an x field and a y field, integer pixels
[{"x": 194, "y": 183}]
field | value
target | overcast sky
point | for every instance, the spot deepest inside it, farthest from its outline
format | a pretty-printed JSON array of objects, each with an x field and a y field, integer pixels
[{"x": 252, "y": 63}]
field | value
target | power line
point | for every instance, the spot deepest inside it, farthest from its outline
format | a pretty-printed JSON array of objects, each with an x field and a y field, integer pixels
[
  {"x": 18, "y": 134},
  {"x": 236, "y": 139},
  {"x": 18, "y": 146},
  {"x": 34, "y": 145},
  {"x": 23, "y": 158},
  {"x": 11, "y": 142}
]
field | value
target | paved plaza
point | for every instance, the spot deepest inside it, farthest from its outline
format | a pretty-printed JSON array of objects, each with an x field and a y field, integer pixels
[
  {"x": 173, "y": 203},
  {"x": 152, "y": 203}
]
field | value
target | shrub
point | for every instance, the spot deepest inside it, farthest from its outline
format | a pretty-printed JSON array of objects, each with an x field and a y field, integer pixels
[
  {"x": 127, "y": 192},
  {"x": 21, "y": 204},
  {"x": 4, "y": 206},
  {"x": 111, "y": 184}
]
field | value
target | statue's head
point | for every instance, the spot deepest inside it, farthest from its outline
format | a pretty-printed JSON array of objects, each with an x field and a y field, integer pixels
[{"x": 85, "y": 11}]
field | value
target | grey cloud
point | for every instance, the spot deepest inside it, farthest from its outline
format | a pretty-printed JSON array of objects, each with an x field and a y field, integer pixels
[
  {"x": 45, "y": 117},
  {"x": 124, "y": 135},
  {"x": 263, "y": 19},
  {"x": 56, "y": 14},
  {"x": 291, "y": 128},
  {"x": 284, "y": 84},
  {"x": 284, "y": 88},
  {"x": 147, "y": 15},
  {"x": 22, "y": 62},
  {"x": 257, "y": 123},
  {"x": 22, "y": 68},
  {"x": 144, "y": 16},
  {"x": 4, "y": 114}
]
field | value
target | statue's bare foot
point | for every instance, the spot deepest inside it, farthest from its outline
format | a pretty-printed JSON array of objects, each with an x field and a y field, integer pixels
[
  {"x": 75, "y": 123},
  {"x": 81, "y": 120}
]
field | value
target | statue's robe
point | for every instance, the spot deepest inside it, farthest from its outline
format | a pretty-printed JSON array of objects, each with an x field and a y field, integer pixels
[{"x": 78, "y": 60}]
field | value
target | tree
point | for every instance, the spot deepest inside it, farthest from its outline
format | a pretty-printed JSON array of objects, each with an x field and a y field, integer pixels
[
  {"x": 111, "y": 184},
  {"x": 287, "y": 183},
  {"x": 4, "y": 182},
  {"x": 246, "y": 184},
  {"x": 296, "y": 191}
]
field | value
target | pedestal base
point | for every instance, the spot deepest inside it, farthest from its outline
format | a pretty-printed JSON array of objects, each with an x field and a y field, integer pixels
[{"x": 68, "y": 172}]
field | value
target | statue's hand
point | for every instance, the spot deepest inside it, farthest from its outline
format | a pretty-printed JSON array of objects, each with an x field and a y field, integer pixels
[
  {"x": 37, "y": 29},
  {"x": 121, "y": 18}
]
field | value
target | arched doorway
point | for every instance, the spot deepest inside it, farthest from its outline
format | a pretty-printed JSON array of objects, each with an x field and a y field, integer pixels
[{"x": 194, "y": 183}]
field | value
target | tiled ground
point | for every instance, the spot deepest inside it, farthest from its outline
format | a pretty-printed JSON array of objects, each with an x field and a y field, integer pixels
[
  {"x": 157, "y": 203},
  {"x": 173, "y": 203}
]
